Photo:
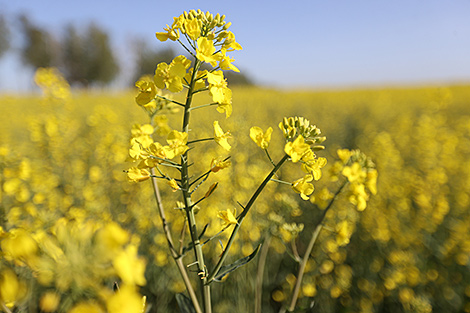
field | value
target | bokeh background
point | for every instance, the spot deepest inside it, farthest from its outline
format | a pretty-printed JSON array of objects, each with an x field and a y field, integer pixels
[{"x": 391, "y": 79}]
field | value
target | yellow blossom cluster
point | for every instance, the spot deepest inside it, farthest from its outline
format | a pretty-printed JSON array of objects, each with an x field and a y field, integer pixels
[{"x": 209, "y": 41}]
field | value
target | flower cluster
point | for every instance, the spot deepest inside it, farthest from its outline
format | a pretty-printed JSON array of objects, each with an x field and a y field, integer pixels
[
  {"x": 208, "y": 41},
  {"x": 53, "y": 84},
  {"x": 360, "y": 172},
  {"x": 149, "y": 153},
  {"x": 300, "y": 150}
]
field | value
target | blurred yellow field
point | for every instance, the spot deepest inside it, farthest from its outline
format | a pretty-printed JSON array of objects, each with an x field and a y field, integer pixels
[{"x": 68, "y": 211}]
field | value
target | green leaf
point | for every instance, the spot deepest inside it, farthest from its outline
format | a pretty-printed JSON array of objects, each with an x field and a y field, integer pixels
[
  {"x": 226, "y": 269},
  {"x": 184, "y": 303}
]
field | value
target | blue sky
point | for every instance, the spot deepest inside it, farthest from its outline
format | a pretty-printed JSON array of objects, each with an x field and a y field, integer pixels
[{"x": 287, "y": 43}]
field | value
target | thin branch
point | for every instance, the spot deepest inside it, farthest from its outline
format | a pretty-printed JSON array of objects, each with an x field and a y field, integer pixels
[
  {"x": 203, "y": 106},
  {"x": 174, "y": 253},
  {"x": 186, "y": 48},
  {"x": 199, "y": 140},
  {"x": 303, "y": 263},
  {"x": 269, "y": 157},
  {"x": 281, "y": 181},
  {"x": 242, "y": 216},
  {"x": 170, "y": 100},
  {"x": 260, "y": 273}
]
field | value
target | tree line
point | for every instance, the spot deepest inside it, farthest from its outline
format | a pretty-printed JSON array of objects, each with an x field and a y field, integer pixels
[{"x": 84, "y": 55}]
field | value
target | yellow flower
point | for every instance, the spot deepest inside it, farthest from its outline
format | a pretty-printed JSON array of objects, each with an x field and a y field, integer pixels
[
  {"x": 176, "y": 144},
  {"x": 171, "y": 75},
  {"x": 260, "y": 138},
  {"x": 147, "y": 92},
  {"x": 219, "y": 91},
  {"x": 130, "y": 267},
  {"x": 52, "y": 83},
  {"x": 141, "y": 130},
  {"x": 220, "y": 137},
  {"x": 358, "y": 196},
  {"x": 297, "y": 148},
  {"x": 354, "y": 173},
  {"x": 49, "y": 302},
  {"x": 226, "y": 63},
  {"x": 173, "y": 184},
  {"x": 170, "y": 33},
  {"x": 217, "y": 165},
  {"x": 112, "y": 237},
  {"x": 137, "y": 174},
  {"x": 303, "y": 187},
  {"x": 343, "y": 233},
  {"x": 193, "y": 28},
  {"x": 226, "y": 102},
  {"x": 371, "y": 182},
  {"x": 312, "y": 165},
  {"x": 126, "y": 300},
  {"x": 137, "y": 152},
  {"x": 344, "y": 155},
  {"x": 228, "y": 217},
  {"x": 205, "y": 51},
  {"x": 19, "y": 245},
  {"x": 230, "y": 44},
  {"x": 87, "y": 307},
  {"x": 10, "y": 287}
]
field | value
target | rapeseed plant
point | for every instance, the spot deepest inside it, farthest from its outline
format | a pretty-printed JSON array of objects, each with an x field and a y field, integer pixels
[
  {"x": 75, "y": 236},
  {"x": 208, "y": 41}
]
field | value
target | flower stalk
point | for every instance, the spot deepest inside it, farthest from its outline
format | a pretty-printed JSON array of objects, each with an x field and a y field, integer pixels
[{"x": 242, "y": 216}]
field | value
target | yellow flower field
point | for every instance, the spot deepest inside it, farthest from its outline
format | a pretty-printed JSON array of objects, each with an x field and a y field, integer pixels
[{"x": 72, "y": 225}]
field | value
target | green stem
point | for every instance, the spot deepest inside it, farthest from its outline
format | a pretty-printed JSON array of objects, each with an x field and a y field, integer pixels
[
  {"x": 173, "y": 101},
  {"x": 269, "y": 157},
  {"x": 281, "y": 181},
  {"x": 303, "y": 263},
  {"x": 166, "y": 229},
  {"x": 203, "y": 106},
  {"x": 176, "y": 256},
  {"x": 185, "y": 182},
  {"x": 241, "y": 217},
  {"x": 259, "y": 275},
  {"x": 199, "y": 140}
]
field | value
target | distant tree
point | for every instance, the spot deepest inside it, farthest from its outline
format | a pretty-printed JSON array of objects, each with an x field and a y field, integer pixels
[
  {"x": 87, "y": 58},
  {"x": 74, "y": 57},
  {"x": 147, "y": 58},
  {"x": 234, "y": 78},
  {"x": 102, "y": 65},
  {"x": 4, "y": 36},
  {"x": 40, "y": 48}
]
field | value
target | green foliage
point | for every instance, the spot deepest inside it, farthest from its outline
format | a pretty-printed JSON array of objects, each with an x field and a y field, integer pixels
[
  {"x": 40, "y": 48},
  {"x": 4, "y": 36},
  {"x": 88, "y": 58}
]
